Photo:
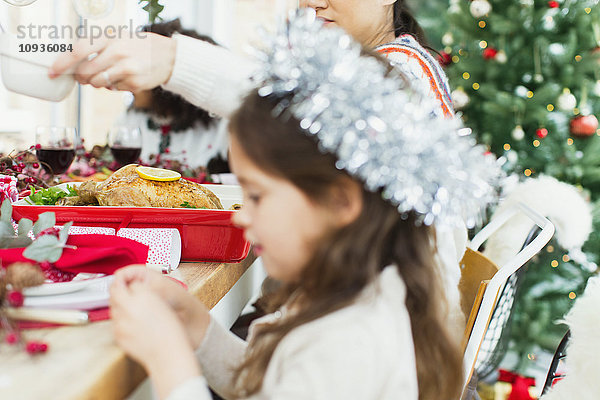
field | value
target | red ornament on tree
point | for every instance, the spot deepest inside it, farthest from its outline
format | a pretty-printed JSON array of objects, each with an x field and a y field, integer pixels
[
  {"x": 584, "y": 125},
  {"x": 444, "y": 59},
  {"x": 541, "y": 133},
  {"x": 520, "y": 385},
  {"x": 489, "y": 53},
  {"x": 553, "y": 4}
]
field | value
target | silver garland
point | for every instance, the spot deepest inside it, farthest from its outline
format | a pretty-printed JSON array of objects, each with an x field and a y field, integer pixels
[{"x": 383, "y": 130}]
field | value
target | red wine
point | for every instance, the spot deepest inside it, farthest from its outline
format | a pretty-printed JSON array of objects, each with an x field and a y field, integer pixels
[
  {"x": 55, "y": 161},
  {"x": 126, "y": 155}
]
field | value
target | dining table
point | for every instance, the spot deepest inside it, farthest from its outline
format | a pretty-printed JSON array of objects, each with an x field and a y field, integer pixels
[{"x": 83, "y": 362}]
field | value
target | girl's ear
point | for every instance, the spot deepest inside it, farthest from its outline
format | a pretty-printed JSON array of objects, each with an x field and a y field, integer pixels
[{"x": 347, "y": 201}]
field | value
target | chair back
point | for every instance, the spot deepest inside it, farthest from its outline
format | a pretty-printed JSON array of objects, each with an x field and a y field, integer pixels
[
  {"x": 490, "y": 291},
  {"x": 476, "y": 272}
]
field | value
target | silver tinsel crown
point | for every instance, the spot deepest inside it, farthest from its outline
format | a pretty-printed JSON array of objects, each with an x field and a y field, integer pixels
[{"x": 382, "y": 130}]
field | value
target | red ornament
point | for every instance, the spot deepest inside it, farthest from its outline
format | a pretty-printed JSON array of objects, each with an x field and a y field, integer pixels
[
  {"x": 553, "y": 4},
  {"x": 444, "y": 59},
  {"x": 489, "y": 53},
  {"x": 520, "y": 385},
  {"x": 584, "y": 125},
  {"x": 541, "y": 133}
]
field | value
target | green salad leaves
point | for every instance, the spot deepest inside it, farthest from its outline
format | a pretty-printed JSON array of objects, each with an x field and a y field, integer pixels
[{"x": 49, "y": 197}]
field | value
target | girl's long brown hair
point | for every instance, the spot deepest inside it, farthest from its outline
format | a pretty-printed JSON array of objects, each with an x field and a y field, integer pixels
[{"x": 349, "y": 259}]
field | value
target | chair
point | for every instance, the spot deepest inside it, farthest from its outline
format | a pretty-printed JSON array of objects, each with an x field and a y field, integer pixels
[
  {"x": 496, "y": 339},
  {"x": 490, "y": 287}
]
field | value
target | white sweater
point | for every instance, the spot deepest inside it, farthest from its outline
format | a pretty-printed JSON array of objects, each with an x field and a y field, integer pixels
[
  {"x": 363, "y": 351},
  {"x": 210, "y": 77}
]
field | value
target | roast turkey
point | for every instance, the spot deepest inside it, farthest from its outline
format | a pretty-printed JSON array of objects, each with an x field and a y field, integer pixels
[{"x": 127, "y": 189}]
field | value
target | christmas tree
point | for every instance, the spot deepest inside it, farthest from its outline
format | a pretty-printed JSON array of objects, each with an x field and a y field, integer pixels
[{"x": 525, "y": 76}]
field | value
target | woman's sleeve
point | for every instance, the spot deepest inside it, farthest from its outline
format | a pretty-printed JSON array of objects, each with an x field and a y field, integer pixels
[
  {"x": 210, "y": 77},
  {"x": 219, "y": 355}
]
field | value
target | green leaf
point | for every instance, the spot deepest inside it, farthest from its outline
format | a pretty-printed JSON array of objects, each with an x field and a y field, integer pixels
[
  {"x": 45, "y": 248},
  {"x": 50, "y": 196},
  {"x": 6, "y": 230},
  {"x": 45, "y": 220},
  {"x": 153, "y": 8},
  {"x": 15, "y": 242},
  {"x": 64, "y": 233},
  {"x": 6, "y": 211},
  {"x": 25, "y": 226}
]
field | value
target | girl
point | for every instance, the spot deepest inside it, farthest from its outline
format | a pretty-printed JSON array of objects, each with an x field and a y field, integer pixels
[{"x": 343, "y": 171}]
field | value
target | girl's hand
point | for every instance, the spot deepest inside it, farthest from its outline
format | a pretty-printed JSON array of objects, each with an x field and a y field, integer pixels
[
  {"x": 150, "y": 332},
  {"x": 190, "y": 311},
  {"x": 140, "y": 61}
]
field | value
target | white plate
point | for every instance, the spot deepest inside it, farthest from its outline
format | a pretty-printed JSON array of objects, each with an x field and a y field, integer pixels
[
  {"x": 54, "y": 288},
  {"x": 94, "y": 295}
]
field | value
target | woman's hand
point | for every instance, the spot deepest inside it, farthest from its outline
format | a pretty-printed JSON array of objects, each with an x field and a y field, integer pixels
[
  {"x": 190, "y": 311},
  {"x": 151, "y": 333},
  {"x": 140, "y": 61}
]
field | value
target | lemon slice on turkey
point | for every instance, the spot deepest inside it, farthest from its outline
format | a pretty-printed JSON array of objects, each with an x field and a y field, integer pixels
[{"x": 157, "y": 174}]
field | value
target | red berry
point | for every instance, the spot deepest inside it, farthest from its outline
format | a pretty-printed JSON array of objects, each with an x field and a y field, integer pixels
[
  {"x": 15, "y": 298},
  {"x": 35, "y": 347},
  {"x": 36, "y": 165},
  {"x": 11, "y": 338},
  {"x": 38, "y": 146},
  {"x": 553, "y": 4}
]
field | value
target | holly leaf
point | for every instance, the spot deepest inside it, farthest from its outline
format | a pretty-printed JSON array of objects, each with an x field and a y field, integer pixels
[
  {"x": 25, "y": 226},
  {"x": 6, "y": 230},
  {"x": 45, "y": 220},
  {"x": 63, "y": 235},
  {"x": 45, "y": 248},
  {"x": 6, "y": 211}
]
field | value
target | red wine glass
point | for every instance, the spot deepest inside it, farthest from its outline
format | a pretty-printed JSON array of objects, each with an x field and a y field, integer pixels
[
  {"x": 55, "y": 148},
  {"x": 125, "y": 144}
]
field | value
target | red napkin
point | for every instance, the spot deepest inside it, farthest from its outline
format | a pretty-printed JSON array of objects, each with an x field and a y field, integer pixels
[{"x": 96, "y": 254}]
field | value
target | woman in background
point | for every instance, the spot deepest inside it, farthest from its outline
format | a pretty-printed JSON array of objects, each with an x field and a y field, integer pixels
[{"x": 174, "y": 131}]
